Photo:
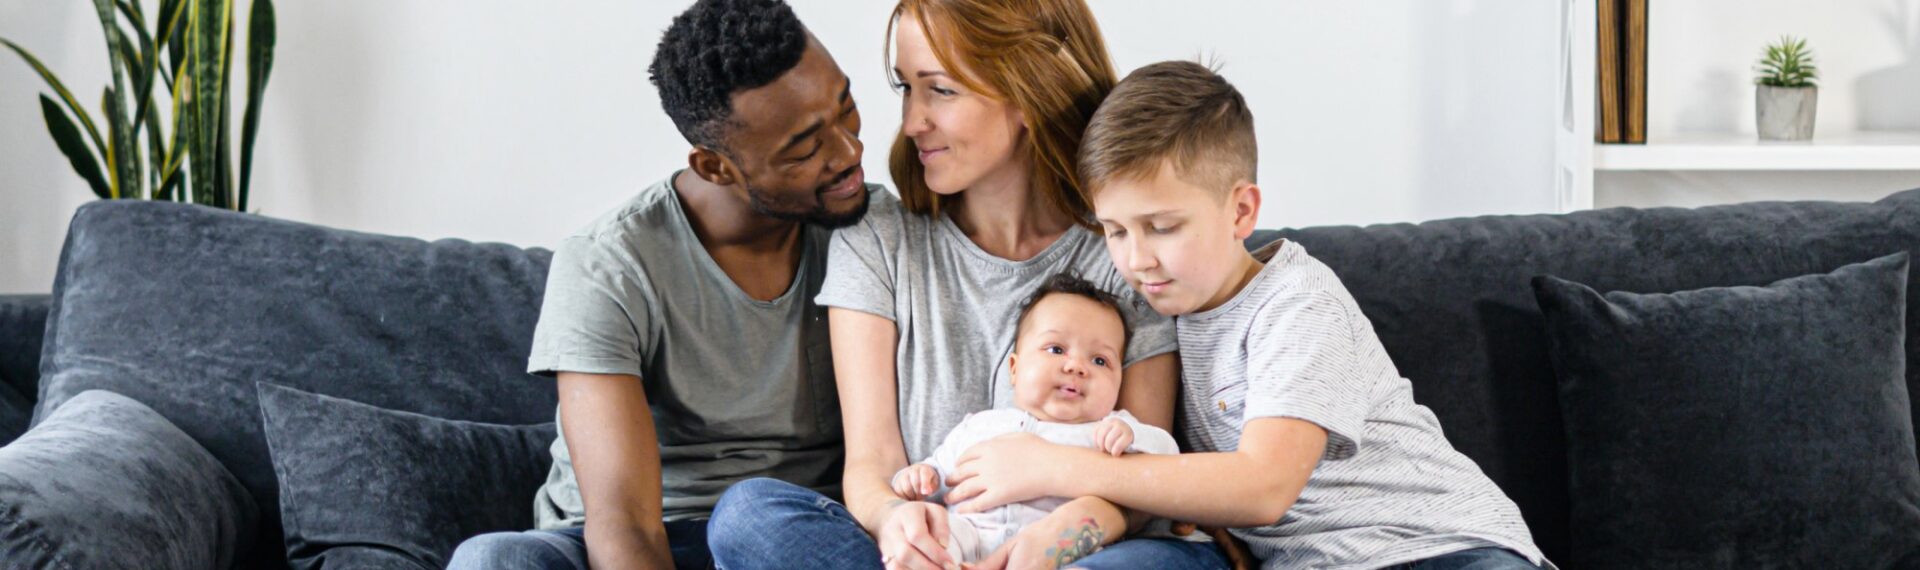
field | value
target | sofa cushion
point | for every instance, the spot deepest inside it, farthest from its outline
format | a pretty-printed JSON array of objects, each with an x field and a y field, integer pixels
[
  {"x": 357, "y": 480},
  {"x": 1451, "y": 302},
  {"x": 104, "y": 482},
  {"x": 1739, "y": 427},
  {"x": 184, "y": 307},
  {"x": 23, "y": 323}
]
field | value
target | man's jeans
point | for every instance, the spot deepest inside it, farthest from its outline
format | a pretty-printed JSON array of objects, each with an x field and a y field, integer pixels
[
  {"x": 567, "y": 549},
  {"x": 768, "y": 523}
]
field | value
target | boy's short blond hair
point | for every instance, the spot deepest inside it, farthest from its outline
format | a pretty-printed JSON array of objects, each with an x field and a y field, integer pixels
[{"x": 1178, "y": 113}]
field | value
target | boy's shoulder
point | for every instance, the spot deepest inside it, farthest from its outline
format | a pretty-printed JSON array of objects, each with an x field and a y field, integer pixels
[{"x": 1291, "y": 280}]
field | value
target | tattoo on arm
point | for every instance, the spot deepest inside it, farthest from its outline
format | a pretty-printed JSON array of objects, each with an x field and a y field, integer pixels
[{"x": 1076, "y": 542}]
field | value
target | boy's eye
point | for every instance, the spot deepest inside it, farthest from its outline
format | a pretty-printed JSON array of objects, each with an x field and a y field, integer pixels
[{"x": 1165, "y": 230}]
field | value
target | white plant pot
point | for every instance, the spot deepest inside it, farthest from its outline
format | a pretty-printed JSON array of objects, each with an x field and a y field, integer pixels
[{"x": 1785, "y": 113}]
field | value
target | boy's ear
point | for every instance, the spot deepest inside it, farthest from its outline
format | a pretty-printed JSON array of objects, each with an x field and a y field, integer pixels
[
  {"x": 1246, "y": 209},
  {"x": 712, "y": 166}
]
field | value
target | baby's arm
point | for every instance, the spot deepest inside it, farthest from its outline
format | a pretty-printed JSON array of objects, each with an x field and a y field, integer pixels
[
  {"x": 1142, "y": 438},
  {"x": 1113, "y": 435}
]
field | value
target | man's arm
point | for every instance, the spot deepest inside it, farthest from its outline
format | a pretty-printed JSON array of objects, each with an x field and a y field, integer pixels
[{"x": 616, "y": 462}]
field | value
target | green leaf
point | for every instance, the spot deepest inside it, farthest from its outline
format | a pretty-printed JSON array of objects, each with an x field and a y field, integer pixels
[
  {"x": 123, "y": 158},
  {"x": 206, "y": 43},
  {"x": 260, "y": 41},
  {"x": 53, "y": 81},
  {"x": 67, "y": 137}
]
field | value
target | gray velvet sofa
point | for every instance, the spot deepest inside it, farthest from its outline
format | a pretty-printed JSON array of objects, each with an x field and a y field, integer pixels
[{"x": 198, "y": 314}]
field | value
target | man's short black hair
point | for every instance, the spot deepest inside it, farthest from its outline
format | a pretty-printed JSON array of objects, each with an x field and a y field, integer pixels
[
  {"x": 1069, "y": 284},
  {"x": 717, "y": 48}
]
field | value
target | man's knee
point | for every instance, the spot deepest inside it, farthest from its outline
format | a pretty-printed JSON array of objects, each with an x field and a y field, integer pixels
[
  {"x": 749, "y": 510},
  {"x": 504, "y": 550}
]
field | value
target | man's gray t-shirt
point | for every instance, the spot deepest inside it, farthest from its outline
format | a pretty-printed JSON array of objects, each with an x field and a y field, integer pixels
[
  {"x": 954, "y": 307},
  {"x": 1389, "y": 489},
  {"x": 738, "y": 387}
]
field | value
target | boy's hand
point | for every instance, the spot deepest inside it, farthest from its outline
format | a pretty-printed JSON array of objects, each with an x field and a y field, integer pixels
[
  {"x": 1113, "y": 436},
  {"x": 916, "y": 482}
]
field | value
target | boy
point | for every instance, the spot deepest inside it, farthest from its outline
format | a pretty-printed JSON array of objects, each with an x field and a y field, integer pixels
[
  {"x": 1302, "y": 435},
  {"x": 1068, "y": 345}
]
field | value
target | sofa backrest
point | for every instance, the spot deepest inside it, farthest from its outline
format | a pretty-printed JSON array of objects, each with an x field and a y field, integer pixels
[
  {"x": 183, "y": 308},
  {"x": 1452, "y": 303}
]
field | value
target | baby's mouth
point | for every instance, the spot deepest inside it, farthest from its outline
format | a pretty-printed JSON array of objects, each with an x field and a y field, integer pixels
[{"x": 1068, "y": 391}]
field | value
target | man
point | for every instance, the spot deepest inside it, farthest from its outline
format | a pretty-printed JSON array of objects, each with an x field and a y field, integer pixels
[{"x": 681, "y": 326}]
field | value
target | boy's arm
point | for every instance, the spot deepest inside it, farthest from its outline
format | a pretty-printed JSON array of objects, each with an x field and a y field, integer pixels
[{"x": 1211, "y": 489}]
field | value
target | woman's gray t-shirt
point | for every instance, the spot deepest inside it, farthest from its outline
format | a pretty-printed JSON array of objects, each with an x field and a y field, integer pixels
[{"x": 954, "y": 307}]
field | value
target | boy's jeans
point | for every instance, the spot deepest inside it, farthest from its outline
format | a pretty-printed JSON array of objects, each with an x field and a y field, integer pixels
[{"x": 768, "y": 523}]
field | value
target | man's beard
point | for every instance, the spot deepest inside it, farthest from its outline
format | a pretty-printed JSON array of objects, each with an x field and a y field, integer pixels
[{"x": 815, "y": 214}]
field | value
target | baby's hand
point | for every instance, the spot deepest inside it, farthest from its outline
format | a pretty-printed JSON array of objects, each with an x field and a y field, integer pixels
[
  {"x": 916, "y": 482},
  {"x": 1113, "y": 436}
]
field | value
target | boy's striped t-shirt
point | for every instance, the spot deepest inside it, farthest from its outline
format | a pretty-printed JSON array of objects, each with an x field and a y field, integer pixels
[{"x": 1389, "y": 489}]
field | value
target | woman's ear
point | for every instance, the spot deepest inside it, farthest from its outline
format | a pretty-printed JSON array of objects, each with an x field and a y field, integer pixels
[
  {"x": 712, "y": 166},
  {"x": 1246, "y": 209}
]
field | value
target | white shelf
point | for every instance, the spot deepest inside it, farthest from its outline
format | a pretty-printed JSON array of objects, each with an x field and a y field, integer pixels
[{"x": 1867, "y": 150}]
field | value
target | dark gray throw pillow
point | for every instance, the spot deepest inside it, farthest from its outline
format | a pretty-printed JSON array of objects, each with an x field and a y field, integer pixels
[
  {"x": 360, "y": 483},
  {"x": 106, "y": 482},
  {"x": 1739, "y": 427}
]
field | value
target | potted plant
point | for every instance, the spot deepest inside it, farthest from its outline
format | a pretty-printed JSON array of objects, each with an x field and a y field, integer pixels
[
  {"x": 1785, "y": 95},
  {"x": 188, "y": 55}
]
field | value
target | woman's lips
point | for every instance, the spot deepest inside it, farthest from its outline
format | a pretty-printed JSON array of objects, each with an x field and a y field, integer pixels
[{"x": 927, "y": 155}]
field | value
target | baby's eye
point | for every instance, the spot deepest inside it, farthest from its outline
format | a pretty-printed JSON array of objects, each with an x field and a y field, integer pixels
[
  {"x": 1054, "y": 349},
  {"x": 1100, "y": 361}
]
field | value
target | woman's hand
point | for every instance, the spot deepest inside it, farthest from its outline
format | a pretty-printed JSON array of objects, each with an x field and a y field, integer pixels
[
  {"x": 1071, "y": 532},
  {"x": 1010, "y": 469},
  {"x": 914, "y": 537}
]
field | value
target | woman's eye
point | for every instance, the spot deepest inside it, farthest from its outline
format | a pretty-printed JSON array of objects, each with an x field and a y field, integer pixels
[
  {"x": 944, "y": 92},
  {"x": 901, "y": 87},
  {"x": 1116, "y": 234}
]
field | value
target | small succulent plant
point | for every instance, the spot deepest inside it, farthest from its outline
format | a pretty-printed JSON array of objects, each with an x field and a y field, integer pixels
[{"x": 1788, "y": 63}]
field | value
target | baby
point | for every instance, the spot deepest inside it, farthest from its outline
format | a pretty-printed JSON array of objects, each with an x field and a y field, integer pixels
[{"x": 1065, "y": 371}]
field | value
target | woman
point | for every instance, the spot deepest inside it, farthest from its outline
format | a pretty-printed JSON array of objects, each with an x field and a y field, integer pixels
[{"x": 995, "y": 94}]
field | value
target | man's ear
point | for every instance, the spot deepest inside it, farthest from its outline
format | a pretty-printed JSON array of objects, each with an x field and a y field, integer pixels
[
  {"x": 712, "y": 166},
  {"x": 1246, "y": 209}
]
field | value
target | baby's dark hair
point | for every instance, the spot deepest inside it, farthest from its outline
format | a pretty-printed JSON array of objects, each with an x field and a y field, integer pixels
[{"x": 1068, "y": 284}]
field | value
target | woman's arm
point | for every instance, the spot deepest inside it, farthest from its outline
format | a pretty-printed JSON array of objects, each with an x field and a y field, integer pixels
[
  {"x": 863, "y": 347},
  {"x": 1251, "y": 486},
  {"x": 910, "y": 534},
  {"x": 616, "y": 461}
]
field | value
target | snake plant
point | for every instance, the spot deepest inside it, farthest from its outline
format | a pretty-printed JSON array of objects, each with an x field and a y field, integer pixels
[{"x": 190, "y": 159}]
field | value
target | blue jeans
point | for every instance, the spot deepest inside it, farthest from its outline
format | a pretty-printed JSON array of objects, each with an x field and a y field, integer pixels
[
  {"x": 1476, "y": 559},
  {"x": 768, "y": 523},
  {"x": 567, "y": 549}
]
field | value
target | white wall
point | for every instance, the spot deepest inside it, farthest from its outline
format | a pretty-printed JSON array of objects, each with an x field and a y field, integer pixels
[
  {"x": 1700, "y": 79},
  {"x": 517, "y": 121}
]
